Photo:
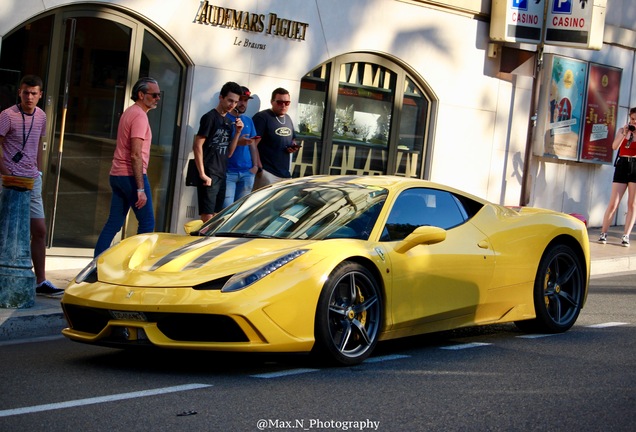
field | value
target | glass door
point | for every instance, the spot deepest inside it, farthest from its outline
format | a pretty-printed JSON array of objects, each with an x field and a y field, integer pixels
[
  {"x": 97, "y": 74},
  {"x": 92, "y": 87}
]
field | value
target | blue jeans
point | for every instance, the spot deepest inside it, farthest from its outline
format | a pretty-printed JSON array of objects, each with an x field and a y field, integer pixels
[
  {"x": 123, "y": 199},
  {"x": 237, "y": 185}
]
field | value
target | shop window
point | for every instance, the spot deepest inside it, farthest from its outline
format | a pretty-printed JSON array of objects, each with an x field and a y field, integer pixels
[
  {"x": 25, "y": 51},
  {"x": 354, "y": 121},
  {"x": 311, "y": 107}
]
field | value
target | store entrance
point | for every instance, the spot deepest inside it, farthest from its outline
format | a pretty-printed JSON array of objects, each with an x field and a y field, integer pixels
[
  {"x": 89, "y": 61},
  {"x": 92, "y": 87}
]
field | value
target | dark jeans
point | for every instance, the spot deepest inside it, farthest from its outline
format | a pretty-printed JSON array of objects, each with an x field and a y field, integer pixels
[{"x": 123, "y": 199}]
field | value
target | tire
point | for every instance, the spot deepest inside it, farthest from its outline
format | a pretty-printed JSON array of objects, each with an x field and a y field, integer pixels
[
  {"x": 559, "y": 292},
  {"x": 348, "y": 315}
]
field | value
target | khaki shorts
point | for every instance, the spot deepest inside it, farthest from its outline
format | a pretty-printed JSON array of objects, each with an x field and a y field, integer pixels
[{"x": 37, "y": 205}]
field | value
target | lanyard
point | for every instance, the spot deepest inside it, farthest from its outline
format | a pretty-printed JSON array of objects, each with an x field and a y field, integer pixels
[{"x": 25, "y": 136}]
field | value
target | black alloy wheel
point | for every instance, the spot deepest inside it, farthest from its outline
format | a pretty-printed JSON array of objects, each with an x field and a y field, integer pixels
[
  {"x": 349, "y": 315},
  {"x": 559, "y": 292}
]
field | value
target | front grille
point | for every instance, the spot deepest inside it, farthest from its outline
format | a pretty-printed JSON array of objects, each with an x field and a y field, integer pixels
[
  {"x": 87, "y": 320},
  {"x": 198, "y": 327},
  {"x": 181, "y": 327}
]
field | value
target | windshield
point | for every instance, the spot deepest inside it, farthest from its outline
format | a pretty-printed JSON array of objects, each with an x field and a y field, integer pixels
[{"x": 305, "y": 210}]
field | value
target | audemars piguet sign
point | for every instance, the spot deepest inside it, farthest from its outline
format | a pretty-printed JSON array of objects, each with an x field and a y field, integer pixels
[{"x": 269, "y": 24}]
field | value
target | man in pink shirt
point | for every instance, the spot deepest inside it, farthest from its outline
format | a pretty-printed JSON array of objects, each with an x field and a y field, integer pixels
[{"x": 128, "y": 178}]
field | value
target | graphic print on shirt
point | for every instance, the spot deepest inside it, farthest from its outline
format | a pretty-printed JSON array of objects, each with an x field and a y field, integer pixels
[
  {"x": 221, "y": 140},
  {"x": 283, "y": 131}
]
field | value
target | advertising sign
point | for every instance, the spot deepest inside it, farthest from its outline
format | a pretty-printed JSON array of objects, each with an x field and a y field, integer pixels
[
  {"x": 566, "y": 80},
  {"x": 600, "y": 113}
]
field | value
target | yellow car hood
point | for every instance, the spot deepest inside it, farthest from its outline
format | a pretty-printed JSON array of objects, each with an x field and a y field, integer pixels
[{"x": 151, "y": 260}]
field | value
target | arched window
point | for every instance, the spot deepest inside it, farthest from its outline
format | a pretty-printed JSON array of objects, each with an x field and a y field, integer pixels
[{"x": 362, "y": 114}]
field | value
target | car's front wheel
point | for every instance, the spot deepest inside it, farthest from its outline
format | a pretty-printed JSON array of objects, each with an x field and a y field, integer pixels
[
  {"x": 559, "y": 291},
  {"x": 349, "y": 315}
]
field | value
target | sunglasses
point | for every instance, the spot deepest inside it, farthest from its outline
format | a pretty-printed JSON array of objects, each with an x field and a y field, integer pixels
[
  {"x": 281, "y": 103},
  {"x": 154, "y": 95}
]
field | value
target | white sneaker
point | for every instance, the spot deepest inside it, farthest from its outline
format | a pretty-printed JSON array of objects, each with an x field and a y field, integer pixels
[
  {"x": 625, "y": 241},
  {"x": 603, "y": 238}
]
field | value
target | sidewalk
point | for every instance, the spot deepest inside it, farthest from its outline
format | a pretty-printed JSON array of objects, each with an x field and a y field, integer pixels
[{"x": 45, "y": 318}]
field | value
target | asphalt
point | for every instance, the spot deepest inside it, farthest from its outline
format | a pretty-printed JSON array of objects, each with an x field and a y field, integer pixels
[{"x": 45, "y": 318}]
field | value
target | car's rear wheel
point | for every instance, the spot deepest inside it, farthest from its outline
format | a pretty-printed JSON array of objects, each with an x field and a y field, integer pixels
[
  {"x": 559, "y": 292},
  {"x": 349, "y": 315}
]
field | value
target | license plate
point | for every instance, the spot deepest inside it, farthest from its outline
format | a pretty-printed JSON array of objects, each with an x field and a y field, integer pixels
[{"x": 129, "y": 316}]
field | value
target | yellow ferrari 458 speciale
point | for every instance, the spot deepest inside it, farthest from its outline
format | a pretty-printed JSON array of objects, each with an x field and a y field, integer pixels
[{"x": 332, "y": 265}]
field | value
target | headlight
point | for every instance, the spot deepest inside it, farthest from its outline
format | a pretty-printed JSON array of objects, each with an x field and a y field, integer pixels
[
  {"x": 245, "y": 279},
  {"x": 89, "y": 274}
]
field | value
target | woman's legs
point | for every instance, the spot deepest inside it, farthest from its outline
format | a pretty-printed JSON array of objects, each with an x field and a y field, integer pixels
[
  {"x": 631, "y": 209},
  {"x": 618, "y": 190}
]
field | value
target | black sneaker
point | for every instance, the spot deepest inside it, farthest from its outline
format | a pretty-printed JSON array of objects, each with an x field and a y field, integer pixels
[
  {"x": 602, "y": 238},
  {"x": 47, "y": 289}
]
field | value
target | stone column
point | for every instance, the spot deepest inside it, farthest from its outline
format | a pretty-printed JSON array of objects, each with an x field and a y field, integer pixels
[{"x": 17, "y": 280}]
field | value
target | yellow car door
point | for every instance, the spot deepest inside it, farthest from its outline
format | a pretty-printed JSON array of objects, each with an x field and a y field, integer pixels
[{"x": 439, "y": 285}]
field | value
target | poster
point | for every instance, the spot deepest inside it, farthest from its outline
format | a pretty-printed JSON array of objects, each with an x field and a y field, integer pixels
[
  {"x": 564, "y": 114},
  {"x": 601, "y": 109}
]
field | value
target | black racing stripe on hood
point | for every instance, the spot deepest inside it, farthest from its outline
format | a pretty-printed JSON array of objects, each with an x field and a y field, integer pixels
[
  {"x": 206, "y": 257},
  {"x": 178, "y": 252}
]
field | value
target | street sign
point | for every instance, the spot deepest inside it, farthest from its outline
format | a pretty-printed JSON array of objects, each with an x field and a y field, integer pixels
[
  {"x": 517, "y": 21},
  {"x": 576, "y": 23},
  {"x": 573, "y": 23}
]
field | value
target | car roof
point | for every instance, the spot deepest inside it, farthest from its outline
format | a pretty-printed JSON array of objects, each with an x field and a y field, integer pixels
[{"x": 392, "y": 183}]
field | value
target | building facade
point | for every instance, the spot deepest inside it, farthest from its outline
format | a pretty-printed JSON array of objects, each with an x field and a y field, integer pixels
[{"x": 412, "y": 88}]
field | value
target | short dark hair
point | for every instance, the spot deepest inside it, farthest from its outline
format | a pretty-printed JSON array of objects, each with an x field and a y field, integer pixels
[
  {"x": 32, "y": 81},
  {"x": 278, "y": 91},
  {"x": 632, "y": 110},
  {"x": 231, "y": 87},
  {"x": 141, "y": 86}
]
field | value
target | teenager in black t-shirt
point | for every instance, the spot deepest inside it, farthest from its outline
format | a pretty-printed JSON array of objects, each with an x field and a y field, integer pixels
[{"x": 212, "y": 147}]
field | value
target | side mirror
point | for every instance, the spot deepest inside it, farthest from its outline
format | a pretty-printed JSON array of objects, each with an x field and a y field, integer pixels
[
  {"x": 193, "y": 226},
  {"x": 424, "y": 235}
]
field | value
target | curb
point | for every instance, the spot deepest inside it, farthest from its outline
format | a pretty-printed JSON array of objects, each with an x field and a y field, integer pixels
[
  {"x": 45, "y": 317},
  {"x": 613, "y": 265},
  {"x": 30, "y": 326}
]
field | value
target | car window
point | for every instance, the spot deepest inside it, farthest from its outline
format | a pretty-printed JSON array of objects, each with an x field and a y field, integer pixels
[
  {"x": 420, "y": 207},
  {"x": 302, "y": 210}
]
